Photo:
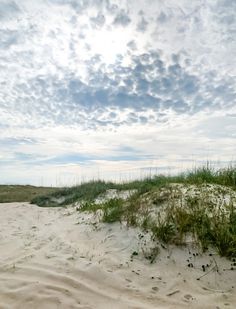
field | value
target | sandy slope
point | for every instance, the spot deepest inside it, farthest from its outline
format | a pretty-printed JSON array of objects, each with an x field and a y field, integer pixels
[{"x": 55, "y": 258}]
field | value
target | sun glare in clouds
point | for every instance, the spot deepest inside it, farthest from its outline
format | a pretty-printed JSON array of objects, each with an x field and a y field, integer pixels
[{"x": 109, "y": 43}]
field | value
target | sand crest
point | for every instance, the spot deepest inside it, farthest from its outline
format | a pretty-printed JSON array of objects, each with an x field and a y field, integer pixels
[{"x": 60, "y": 258}]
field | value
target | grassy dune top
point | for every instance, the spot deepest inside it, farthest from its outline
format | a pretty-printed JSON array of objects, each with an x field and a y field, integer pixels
[
  {"x": 91, "y": 190},
  {"x": 16, "y": 193},
  {"x": 197, "y": 207}
]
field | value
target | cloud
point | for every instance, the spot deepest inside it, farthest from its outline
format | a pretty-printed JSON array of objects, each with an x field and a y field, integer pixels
[
  {"x": 8, "y": 38},
  {"x": 122, "y": 19},
  {"x": 132, "y": 45},
  {"x": 8, "y": 10},
  {"x": 148, "y": 83},
  {"x": 98, "y": 20},
  {"x": 142, "y": 25},
  {"x": 96, "y": 77},
  {"x": 17, "y": 141},
  {"x": 111, "y": 7},
  {"x": 162, "y": 18}
]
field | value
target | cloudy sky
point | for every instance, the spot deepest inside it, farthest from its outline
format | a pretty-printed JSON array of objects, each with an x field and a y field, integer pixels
[{"x": 115, "y": 89}]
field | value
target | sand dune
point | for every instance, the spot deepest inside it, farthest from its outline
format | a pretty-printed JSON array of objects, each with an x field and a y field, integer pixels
[{"x": 59, "y": 258}]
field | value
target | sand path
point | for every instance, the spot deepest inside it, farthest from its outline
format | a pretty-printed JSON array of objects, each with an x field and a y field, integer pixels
[{"x": 55, "y": 258}]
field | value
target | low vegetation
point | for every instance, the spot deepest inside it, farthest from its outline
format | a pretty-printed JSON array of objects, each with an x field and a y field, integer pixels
[
  {"x": 197, "y": 206},
  {"x": 16, "y": 193},
  {"x": 90, "y": 190},
  {"x": 178, "y": 214}
]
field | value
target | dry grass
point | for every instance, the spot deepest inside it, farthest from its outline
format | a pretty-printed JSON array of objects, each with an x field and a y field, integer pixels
[{"x": 16, "y": 193}]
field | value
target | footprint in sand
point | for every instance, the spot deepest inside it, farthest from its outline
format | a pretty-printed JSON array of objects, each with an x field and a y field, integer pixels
[
  {"x": 155, "y": 289},
  {"x": 128, "y": 280},
  {"x": 188, "y": 298}
]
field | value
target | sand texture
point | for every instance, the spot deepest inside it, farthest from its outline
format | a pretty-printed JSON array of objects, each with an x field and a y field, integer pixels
[{"x": 60, "y": 258}]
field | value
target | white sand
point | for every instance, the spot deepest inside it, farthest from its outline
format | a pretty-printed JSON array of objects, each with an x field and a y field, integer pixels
[{"x": 47, "y": 260}]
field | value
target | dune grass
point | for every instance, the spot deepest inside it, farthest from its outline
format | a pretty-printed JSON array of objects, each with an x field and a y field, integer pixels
[
  {"x": 90, "y": 190},
  {"x": 208, "y": 174},
  {"x": 172, "y": 216},
  {"x": 199, "y": 204},
  {"x": 208, "y": 223}
]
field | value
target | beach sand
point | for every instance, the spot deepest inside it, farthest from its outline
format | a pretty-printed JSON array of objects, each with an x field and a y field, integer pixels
[{"x": 60, "y": 258}]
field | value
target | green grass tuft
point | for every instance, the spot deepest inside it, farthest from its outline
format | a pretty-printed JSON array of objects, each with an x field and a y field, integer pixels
[{"x": 113, "y": 210}]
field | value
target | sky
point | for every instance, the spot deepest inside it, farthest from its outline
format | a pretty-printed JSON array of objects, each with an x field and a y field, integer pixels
[{"x": 115, "y": 89}]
